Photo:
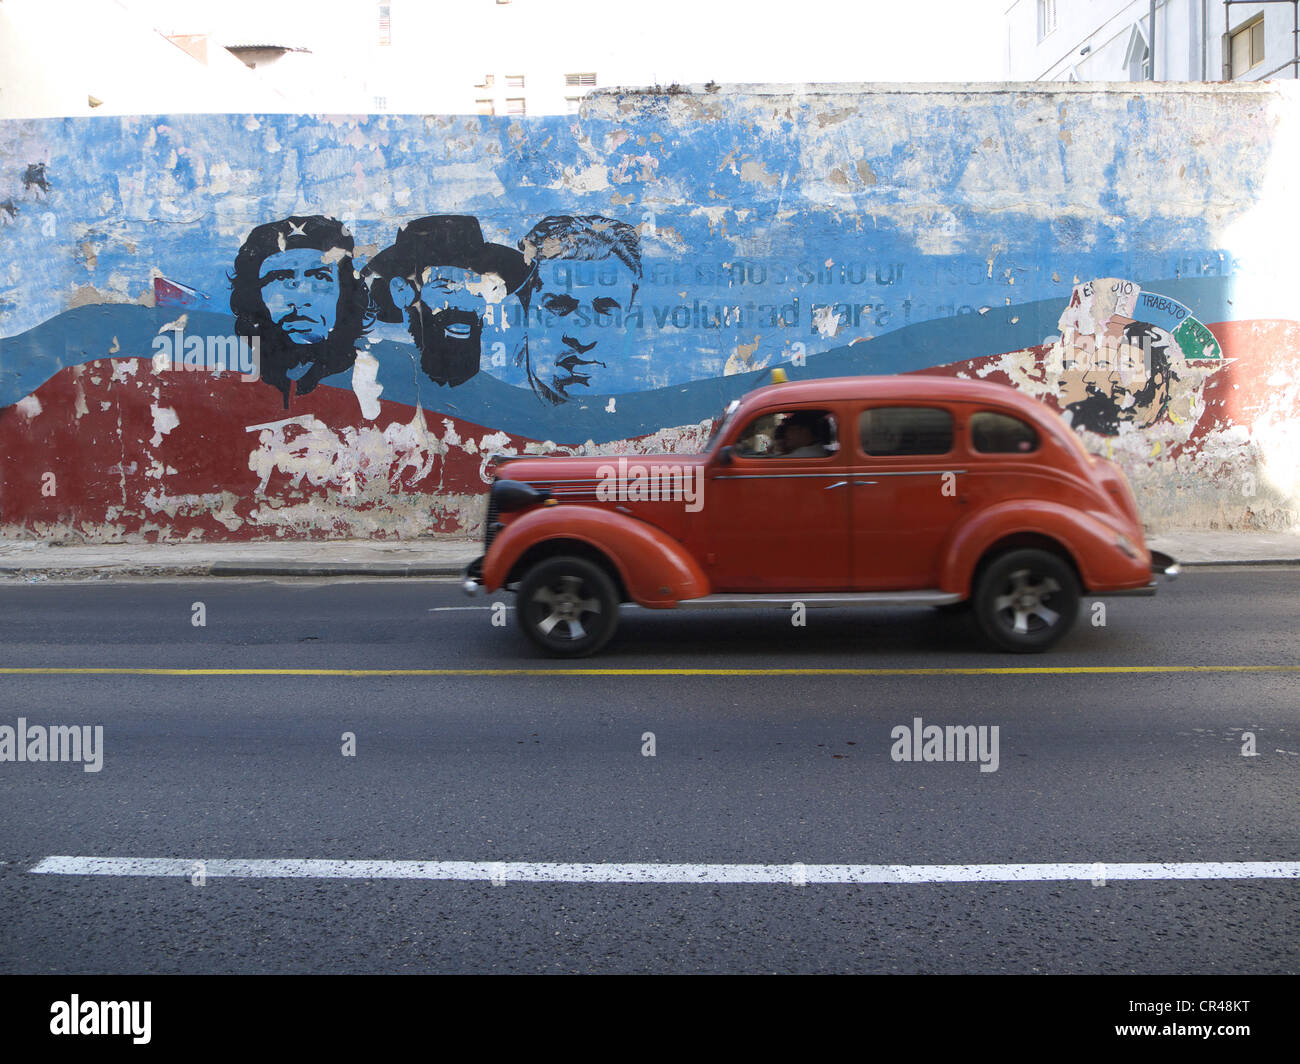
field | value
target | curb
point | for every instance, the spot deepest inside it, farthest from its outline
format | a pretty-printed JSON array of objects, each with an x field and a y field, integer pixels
[
  {"x": 1240, "y": 562},
  {"x": 287, "y": 568},
  {"x": 390, "y": 570},
  {"x": 234, "y": 570}
]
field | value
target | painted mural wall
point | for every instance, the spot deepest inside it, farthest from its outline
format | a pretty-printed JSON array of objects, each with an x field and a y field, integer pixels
[{"x": 248, "y": 327}]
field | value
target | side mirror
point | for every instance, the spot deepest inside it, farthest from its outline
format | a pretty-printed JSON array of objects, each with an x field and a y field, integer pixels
[{"x": 724, "y": 455}]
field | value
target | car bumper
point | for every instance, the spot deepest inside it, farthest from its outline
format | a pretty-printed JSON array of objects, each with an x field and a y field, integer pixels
[
  {"x": 1165, "y": 565},
  {"x": 473, "y": 580},
  {"x": 1161, "y": 564}
]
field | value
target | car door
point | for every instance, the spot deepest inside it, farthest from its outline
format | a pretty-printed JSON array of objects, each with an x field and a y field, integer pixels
[
  {"x": 776, "y": 516},
  {"x": 907, "y": 492}
]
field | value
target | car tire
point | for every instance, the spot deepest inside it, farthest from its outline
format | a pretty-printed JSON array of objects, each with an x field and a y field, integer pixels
[
  {"x": 1026, "y": 600},
  {"x": 568, "y": 606}
]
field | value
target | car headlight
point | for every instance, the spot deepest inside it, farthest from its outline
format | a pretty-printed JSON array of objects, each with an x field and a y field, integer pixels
[{"x": 1124, "y": 544}]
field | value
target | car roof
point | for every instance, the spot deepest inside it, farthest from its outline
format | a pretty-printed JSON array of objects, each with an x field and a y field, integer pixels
[{"x": 917, "y": 386}]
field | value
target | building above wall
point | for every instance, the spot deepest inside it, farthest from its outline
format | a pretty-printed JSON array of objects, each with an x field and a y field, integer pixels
[
  {"x": 523, "y": 58},
  {"x": 1111, "y": 40},
  {"x": 82, "y": 57}
]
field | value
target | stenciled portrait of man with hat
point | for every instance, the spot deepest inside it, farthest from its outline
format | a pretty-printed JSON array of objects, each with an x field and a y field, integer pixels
[{"x": 445, "y": 282}]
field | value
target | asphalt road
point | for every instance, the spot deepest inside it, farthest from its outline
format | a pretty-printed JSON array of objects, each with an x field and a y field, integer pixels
[{"x": 786, "y": 770}]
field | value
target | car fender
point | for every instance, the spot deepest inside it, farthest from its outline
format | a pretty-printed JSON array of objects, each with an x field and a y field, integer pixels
[
  {"x": 657, "y": 571},
  {"x": 1090, "y": 543}
]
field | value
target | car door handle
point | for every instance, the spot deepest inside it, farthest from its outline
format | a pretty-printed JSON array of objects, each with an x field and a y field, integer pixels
[
  {"x": 837, "y": 484},
  {"x": 863, "y": 482}
]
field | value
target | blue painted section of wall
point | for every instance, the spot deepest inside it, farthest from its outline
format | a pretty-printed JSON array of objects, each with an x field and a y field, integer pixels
[
  {"x": 29, "y": 360},
  {"x": 833, "y": 232},
  {"x": 924, "y": 209}
]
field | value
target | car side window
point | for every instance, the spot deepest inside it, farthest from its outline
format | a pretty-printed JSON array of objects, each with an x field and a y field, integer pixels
[
  {"x": 992, "y": 433},
  {"x": 905, "y": 430},
  {"x": 789, "y": 434}
]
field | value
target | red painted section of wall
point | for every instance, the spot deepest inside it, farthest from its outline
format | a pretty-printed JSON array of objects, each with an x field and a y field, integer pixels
[
  {"x": 1234, "y": 395},
  {"x": 1259, "y": 352},
  {"x": 117, "y": 476},
  {"x": 106, "y": 461}
]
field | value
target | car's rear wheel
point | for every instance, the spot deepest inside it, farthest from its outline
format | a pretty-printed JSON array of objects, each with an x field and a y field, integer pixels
[
  {"x": 568, "y": 606},
  {"x": 1026, "y": 600}
]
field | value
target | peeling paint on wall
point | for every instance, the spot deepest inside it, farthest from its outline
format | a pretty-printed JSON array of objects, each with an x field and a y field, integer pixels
[{"x": 428, "y": 291}]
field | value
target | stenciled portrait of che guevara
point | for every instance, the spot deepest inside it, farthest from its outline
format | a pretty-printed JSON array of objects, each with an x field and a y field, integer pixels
[{"x": 294, "y": 288}]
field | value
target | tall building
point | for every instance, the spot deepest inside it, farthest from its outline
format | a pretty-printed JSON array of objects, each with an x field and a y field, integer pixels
[{"x": 1117, "y": 40}]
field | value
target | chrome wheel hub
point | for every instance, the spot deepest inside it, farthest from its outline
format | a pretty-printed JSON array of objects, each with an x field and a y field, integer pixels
[
  {"x": 563, "y": 604},
  {"x": 1023, "y": 606}
]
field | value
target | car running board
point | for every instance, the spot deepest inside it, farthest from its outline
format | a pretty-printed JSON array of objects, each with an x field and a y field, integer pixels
[{"x": 821, "y": 599}]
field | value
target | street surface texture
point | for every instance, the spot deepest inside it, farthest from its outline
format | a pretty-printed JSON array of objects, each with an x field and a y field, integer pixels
[{"x": 488, "y": 777}]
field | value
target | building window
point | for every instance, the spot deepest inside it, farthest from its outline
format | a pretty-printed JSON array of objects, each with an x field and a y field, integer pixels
[
  {"x": 1046, "y": 17},
  {"x": 486, "y": 107},
  {"x": 1137, "y": 59},
  {"x": 381, "y": 103},
  {"x": 514, "y": 81},
  {"x": 515, "y": 107},
  {"x": 572, "y": 104},
  {"x": 1139, "y": 65},
  {"x": 488, "y": 81},
  {"x": 385, "y": 24},
  {"x": 1247, "y": 47},
  {"x": 580, "y": 79}
]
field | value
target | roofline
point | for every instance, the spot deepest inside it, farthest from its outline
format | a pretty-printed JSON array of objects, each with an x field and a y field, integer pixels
[
  {"x": 899, "y": 386},
  {"x": 866, "y": 385}
]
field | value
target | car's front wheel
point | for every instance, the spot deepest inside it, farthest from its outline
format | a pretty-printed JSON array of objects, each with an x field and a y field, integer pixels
[
  {"x": 1026, "y": 600},
  {"x": 568, "y": 606}
]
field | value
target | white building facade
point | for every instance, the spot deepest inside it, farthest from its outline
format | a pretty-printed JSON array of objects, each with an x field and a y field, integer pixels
[
  {"x": 1111, "y": 40},
  {"x": 455, "y": 57}
]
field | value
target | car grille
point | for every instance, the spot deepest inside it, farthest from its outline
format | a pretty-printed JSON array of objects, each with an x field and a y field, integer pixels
[{"x": 491, "y": 526}]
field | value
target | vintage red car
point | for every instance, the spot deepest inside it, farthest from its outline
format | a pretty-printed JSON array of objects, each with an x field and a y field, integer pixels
[{"x": 854, "y": 491}]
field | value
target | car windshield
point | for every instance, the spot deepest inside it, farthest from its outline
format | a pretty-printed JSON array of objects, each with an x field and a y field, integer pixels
[{"x": 719, "y": 425}]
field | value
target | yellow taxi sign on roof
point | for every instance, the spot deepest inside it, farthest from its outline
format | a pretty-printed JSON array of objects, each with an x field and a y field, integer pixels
[{"x": 778, "y": 376}]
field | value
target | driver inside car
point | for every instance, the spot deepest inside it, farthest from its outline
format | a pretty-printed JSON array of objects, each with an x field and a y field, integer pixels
[{"x": 804, "y": 434}]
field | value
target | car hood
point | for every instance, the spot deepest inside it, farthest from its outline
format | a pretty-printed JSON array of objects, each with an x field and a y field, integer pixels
[{"x": 552, "y": 470}]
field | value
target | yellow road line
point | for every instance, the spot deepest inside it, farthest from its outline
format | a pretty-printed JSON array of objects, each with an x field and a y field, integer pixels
[{"x": 1044, "y": 670}]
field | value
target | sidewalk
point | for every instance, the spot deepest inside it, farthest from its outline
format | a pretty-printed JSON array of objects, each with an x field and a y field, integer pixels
[{"x": 31, "y": 562}]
